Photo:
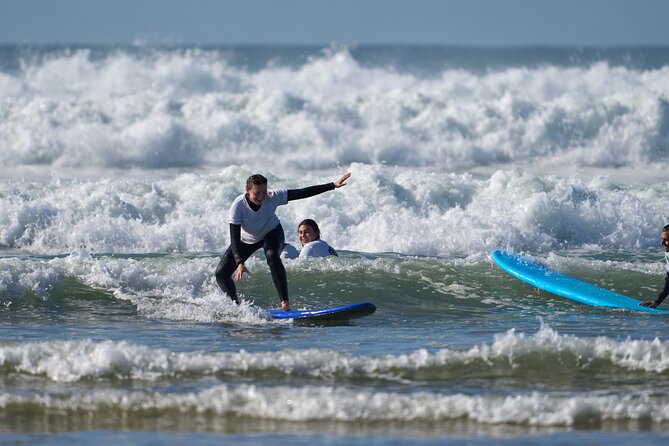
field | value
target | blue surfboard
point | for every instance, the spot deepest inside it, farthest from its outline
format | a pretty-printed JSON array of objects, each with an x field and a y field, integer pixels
[
  {"x": 343, "y": 312},
  {"x": 541, "y": 276}
]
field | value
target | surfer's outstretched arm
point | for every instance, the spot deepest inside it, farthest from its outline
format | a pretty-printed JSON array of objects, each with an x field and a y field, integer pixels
[{"x": 298, "y": 194}]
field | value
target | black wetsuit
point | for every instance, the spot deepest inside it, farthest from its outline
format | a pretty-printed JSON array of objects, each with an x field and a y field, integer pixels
[
  {"x": 664, "y": 292},
  {"x": 272, "y": 244}
]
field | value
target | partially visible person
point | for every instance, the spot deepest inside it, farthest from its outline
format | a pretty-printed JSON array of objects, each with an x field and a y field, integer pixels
[
  {"x": 310, "y": 238},
  {"x": 664, "y": 292},
  {"x": 309, "y": 235}
]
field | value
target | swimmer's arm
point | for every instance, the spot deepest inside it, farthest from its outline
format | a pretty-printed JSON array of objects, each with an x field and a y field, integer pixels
[{"x": 664, "y": 292}]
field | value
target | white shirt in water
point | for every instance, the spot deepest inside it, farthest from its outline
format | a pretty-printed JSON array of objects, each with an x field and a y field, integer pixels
[
  {"x": 289, "y": 252},
  {"x": 317, "y": 248}
]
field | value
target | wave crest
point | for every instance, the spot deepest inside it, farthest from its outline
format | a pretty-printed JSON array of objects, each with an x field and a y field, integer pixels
[{"x": 186, "y": 108}]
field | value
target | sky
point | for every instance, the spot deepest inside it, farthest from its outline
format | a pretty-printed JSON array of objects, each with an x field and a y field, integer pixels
[{"x": 323, "y": 22}]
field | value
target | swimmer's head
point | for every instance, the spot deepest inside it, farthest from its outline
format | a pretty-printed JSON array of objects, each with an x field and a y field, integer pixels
[{"x": 308, "y": 231}]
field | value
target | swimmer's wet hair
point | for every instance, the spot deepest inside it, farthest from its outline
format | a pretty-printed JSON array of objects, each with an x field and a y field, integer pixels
[{"x": 314, "y": 226}]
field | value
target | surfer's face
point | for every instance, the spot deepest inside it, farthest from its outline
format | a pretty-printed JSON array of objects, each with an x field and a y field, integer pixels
[
  {"x": 257, "y": 193},
  {"x": 306, "y": 234},
  {"x": 665, "y": 241}
]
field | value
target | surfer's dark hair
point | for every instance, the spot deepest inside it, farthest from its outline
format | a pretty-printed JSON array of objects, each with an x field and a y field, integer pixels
[
  {"x": 666, "y": 228},
  {"x": 314, "y": 226},
  {"x": 255, "y": 180}
]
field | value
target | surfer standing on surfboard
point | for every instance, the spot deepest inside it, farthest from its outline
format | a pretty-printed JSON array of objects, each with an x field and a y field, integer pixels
[
  {"x": 254, "y": 225},
  {"x": 664, "y": 292}
]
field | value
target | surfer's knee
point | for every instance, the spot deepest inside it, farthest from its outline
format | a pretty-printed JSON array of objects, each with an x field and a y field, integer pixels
[
  {"x": 273, "y": 257},
  {"x": 226, "y": 266},
  {"x": 222, "y": 279}
]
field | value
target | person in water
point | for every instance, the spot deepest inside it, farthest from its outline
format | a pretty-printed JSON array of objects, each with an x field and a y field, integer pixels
[
  {"x": 254, "y": 225},
  {"x": 665, "y": 288},
  {"x": 310, "y": 238}
]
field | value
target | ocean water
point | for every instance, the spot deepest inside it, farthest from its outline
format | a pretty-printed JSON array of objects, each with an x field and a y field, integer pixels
[{"x": 117, "y": 169}]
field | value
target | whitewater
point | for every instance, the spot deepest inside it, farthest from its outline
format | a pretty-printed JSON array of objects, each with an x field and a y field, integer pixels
[
  {"x": 118, "y": 166},
  {"x": 192, "y": 108}
]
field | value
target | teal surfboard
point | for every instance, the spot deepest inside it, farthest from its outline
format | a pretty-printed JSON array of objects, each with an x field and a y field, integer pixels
[
  {"x": 541, "y": 276},
  {"x": 343, "y": 312}
]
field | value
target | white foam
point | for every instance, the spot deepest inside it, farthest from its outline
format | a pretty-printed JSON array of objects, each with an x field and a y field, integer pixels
[
  {"x": 328, "y": 403},
  {"x": 176, "y": 108},
  {"x": 381, "y": 210},
  {"x": 70, "y": 361}
]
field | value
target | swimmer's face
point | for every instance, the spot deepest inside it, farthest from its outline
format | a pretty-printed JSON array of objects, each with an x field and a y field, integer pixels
[
  {"x": 306, "y": 234},
  {"x": 257, "y": 193},
  {"x": 665, "y": 241}
]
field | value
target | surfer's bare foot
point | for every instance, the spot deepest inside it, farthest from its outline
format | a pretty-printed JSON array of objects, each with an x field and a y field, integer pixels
[
  {"x": 650, "y": 303},
  {"x": 284, "y": 305}
]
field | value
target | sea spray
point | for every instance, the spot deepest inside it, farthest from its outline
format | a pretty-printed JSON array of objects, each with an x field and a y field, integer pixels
[
  {"x": 510, "y": 354},
  {"x": 194, "y": 108},
  {"x": 381, "y": 210}
]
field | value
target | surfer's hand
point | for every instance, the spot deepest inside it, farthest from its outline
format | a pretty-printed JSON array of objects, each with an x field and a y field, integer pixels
[
  {"x": 239, "y": 273},
  {"x": 342, "y": 181},
  {"x": 650, "y": 303},
  {"x": 284, "y": 305}
]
